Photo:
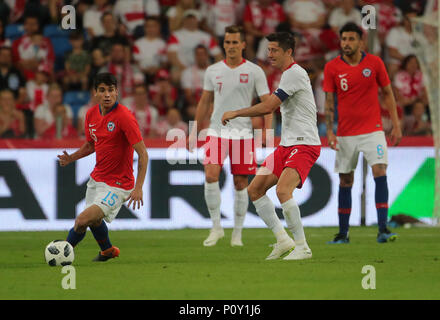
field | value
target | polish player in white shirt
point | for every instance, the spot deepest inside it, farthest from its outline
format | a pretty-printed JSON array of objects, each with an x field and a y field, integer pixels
[
  {"x": 231, "y": 84},
  {"x": 300, "y": 146}
]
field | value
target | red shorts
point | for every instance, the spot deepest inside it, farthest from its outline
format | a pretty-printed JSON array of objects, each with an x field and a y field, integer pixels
[
  {"x": 241, "y": 154},
  {"x": 299, "y": 157}
]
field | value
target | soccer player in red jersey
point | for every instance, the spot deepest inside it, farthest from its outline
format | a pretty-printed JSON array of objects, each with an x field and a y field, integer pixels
[
  {"x": 355, "y": 78},
  {"x": 112, "y": 133}
]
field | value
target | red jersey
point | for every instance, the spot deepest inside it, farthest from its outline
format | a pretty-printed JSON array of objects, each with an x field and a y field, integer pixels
[
  {"x": 113, "y": 136},
  {"x": 357, "y": 93}
]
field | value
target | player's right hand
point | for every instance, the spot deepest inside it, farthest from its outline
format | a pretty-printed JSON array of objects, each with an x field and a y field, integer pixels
[
  {"x": 65, "y": 158},
  {"x": 332, "y": 141}
]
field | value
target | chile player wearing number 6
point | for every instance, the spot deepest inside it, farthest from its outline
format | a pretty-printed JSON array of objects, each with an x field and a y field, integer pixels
[
  {"x": 300, "y": 146},
  {"x": 355, "y": 78},
  {"x": 112, "y": 133}
]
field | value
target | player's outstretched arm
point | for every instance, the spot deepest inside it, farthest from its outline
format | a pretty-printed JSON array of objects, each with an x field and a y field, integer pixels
[
  {"x": 86, "y": 149},
  {"x": 390, "y": 104},
  {"x": 269, "y": 105},
  {"x": 329, "y": 118},
  {"x": 136, "y": 196}
]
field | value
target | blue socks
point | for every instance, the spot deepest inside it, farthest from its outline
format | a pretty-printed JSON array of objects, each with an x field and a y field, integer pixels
[
  {"x": 344, "y": 209},
  {"x": 381, "y": 198},
  {"x": 74, "y": 238},
  {"x": 101, "y": 236}
]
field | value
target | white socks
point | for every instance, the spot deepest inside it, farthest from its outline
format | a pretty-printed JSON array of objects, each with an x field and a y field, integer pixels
[
  {"x": 266, "y": 210},
  {"x": 241, "y": 203},
  {"x": 213, "y": 200},
  {"x": 293, "y": 219}
]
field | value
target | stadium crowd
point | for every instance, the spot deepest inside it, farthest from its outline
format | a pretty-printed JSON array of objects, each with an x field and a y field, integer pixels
[{"x": 160, "y": 49}]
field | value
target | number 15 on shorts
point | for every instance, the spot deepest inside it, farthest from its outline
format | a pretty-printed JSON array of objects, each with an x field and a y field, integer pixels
[{"x": 110, "y": 198}]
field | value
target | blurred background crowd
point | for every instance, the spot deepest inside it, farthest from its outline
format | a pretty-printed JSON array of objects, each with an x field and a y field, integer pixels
[{"x": 160, "y": 49}]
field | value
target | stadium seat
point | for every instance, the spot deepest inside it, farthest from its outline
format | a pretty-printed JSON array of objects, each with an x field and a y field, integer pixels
[
  {"x": 76, "y": 99},
  {"x": 60, "y": 42},
  {"x": 13, "y": 31}
]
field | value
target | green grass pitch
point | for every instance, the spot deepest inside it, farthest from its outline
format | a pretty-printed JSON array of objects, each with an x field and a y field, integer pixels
[{"x": 174, "y": 265}]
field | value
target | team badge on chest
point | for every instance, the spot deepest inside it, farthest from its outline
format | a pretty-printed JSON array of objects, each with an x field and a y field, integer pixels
[
  {"x": 110, "y": 126},
  {"x": 244, "y": 78},
  {"x": 366, "y": 72}
]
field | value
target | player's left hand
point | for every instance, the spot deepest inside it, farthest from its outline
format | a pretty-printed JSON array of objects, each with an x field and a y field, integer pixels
[
  {"x": 396, "y": 136},
  {"x": 228, "y": 115},
  {"x": 135, "y": 197}
]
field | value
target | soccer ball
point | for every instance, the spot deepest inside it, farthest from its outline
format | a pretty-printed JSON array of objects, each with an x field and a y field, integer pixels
[{"x": 59, "y": 253}]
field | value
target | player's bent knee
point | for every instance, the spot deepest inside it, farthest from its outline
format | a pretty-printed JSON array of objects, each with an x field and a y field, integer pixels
[
  {"x": 255, "y": 193},
  {"x": 283, "y": 194},
  {"x": 81, "y": 224}
]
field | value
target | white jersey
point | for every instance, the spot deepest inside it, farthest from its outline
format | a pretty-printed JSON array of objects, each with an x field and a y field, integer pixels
[
  {"x": 298, "y": 109},
  {"x": 233, "y": 89},
  {"x": 149, "y": 53}
]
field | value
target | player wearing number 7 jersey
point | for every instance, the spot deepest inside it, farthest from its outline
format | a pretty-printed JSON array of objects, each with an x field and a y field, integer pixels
[
  {"x": 355, "y": 78},
  {"x": 112, "y": 133}
]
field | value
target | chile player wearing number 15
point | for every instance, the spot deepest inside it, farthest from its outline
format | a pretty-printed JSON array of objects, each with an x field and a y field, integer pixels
[
  {"x": 113, "y": 134},
  {"x": 355, "y": 77}
]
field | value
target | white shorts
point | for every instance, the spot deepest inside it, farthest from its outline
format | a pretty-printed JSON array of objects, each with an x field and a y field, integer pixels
[
  {"x": 109, "y": 199},
  {"x": 372, "y": 145}
]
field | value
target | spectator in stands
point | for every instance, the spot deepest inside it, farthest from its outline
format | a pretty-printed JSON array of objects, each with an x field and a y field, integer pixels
[
  {"x": 345, "y": 12},
  {"x": 62, "y": 127},
  {"x": 173, "y": 120},
  {"x": 175, "y": 14},
  {"x": 92, "y": 18},
  {"x": 77, "y": 64},
  {"x": 260, "y": 18},
  {"x": 44, "y": 116},
  {"x": 192, "y": 77},
  {"x": 305, "y": 14},
  {"x": 162, "y": 92},
  {"x": 16, "y": 10},
  {"x": 146, "y": 114},
  {"x": 12, "y": 121},
  {"x": 409, "y": 84},
  {"x": 400, "y": 42},
  {"x": 131, "y": 13},
  {"x": 110, "y": 35},
  {"x": 4, "y": 42},
  {"x": 10, "y": 77},
  {"x": 149, "y": 52},
  {"x": 32, "y": 49},
  {"x": 417, "y": 123},
  {"x": 37, "y": 88},
  {"x": 98, "y": 62},
  {"x": 83, "y": 111},
  {"x": 182, "y": 43},
  {"x": 220, "y": 14},
  {"x": 127, "y": 74}
]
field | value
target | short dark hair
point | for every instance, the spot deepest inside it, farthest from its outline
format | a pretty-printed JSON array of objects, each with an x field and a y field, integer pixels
[
  {"x": 105, "y": 78},
  {"x": 236, "y": 29},
  {"x": 152, "y": 18},
  {"x": 285, "y": 40},
  {"x": 201, "y": 46},
  {"x": 351, "y": 27}
]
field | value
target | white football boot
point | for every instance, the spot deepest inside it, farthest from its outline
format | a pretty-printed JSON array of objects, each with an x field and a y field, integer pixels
[
  {"x": 214, "y": 236},
  {"x": 299, "y": 253},
  {"x": 236, "y": 238},
  {"x": 281, "y": 248}
]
